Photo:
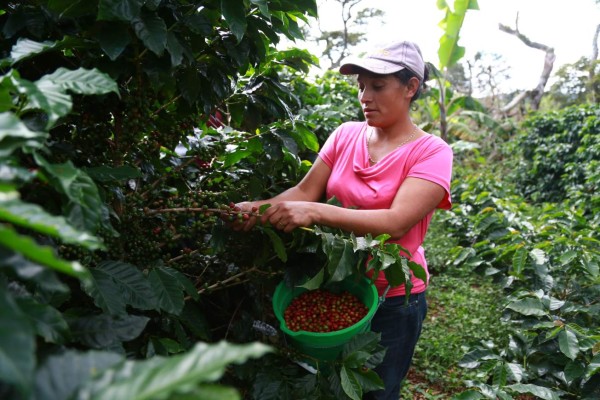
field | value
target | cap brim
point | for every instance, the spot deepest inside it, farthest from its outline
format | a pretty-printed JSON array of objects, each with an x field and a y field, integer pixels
[{"x": 353, "y": 66}]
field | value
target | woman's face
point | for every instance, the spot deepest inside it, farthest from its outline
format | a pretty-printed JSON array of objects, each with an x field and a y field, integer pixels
[{"x": 383, "y": 98}]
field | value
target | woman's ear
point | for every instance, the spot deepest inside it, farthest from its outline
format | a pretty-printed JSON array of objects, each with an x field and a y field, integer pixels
[{"x": 413, "y": 86}]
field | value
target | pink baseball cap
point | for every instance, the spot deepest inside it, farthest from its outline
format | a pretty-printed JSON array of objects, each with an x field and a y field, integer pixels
[{"x": 387, "y": 59}]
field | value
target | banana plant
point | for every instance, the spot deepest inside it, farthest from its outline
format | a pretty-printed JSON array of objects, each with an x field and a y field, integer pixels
[{"x": 449, "y": 53}]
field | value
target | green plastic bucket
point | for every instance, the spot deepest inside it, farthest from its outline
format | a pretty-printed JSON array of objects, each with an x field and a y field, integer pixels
[{"x": 326, "y": 346}]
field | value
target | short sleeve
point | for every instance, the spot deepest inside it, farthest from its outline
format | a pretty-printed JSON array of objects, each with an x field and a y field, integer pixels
[
  {"x": 435, "y": 165},
  {"x": 328, "y": 152}
]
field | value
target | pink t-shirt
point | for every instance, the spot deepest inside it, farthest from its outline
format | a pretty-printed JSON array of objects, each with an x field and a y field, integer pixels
[{"x": 357, "y": 184}]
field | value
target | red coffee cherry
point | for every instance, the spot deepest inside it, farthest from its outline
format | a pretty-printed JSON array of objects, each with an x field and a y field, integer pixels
[{"x": 323, "y": 311}]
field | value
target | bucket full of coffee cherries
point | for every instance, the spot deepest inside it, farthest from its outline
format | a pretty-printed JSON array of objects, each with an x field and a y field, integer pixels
[{"x": 319, "y": 322}]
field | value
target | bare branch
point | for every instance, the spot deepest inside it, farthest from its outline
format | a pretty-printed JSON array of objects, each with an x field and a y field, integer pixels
[{"x": 537, "y": 93}]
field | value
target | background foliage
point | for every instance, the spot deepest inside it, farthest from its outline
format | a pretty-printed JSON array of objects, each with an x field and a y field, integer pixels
[{"x": 127, "y": 126}]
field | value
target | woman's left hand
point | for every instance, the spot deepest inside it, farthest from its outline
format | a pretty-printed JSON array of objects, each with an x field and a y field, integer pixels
[{"x": 289, "y": 215}]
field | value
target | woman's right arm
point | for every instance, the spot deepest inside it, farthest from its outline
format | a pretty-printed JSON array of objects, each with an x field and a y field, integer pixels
[{"x": 310, "y": 188}]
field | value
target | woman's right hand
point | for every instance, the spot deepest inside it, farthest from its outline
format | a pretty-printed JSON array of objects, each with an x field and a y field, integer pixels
[{"x": 249, "y": 208}]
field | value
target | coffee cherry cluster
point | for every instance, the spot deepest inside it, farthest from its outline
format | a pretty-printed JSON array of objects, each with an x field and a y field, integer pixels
[{"x": 323, "y": 311}]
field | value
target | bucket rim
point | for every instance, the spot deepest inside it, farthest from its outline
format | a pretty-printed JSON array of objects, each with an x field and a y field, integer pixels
[{"x": 303, "y": 333}]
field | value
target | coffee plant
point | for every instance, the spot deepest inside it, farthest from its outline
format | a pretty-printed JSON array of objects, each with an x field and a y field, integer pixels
[
  {"x": 128, "y": 130},
  {"x": 547, "y": 260}
]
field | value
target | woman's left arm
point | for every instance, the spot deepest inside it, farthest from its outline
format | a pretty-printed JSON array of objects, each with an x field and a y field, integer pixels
[{"x": 415, "y": 199}]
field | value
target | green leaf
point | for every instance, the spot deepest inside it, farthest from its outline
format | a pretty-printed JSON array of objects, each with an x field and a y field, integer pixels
[
  {"x": 61, "y": 374},
  {"x": 47, "y": 320},
  {"x": 449, "y": 51},
  {"x": 113, "y": 37},
  {"x": 14, "y": 134},
  {"x": 568, "y": 343},
  {"x": 85, "y": 208},
  {"x": 152, "y": 31},
  {"x": 105, "y": 173},
  {"x": 519, "y": 261},
  {"x": 104, "y": 331},
  {"x": 26, "y": 47},
  {"x": 212, "y": 392},
  {"x": 277, "y": 243},
  {"x": 134, "y": 287},
  {"x": 316, "y": 281},
  {"x": 574, "y": 370},
  {"x": 567, "y": 257},
  {"x": 468, "y": 395},
  {"x": 539, "y": 256},
  {"x": 42, "y": 255},
  {"x": 594, "y": 366},
  {"x": 368, "y": 380},
  {"x": 539, "y": 391},
  {"x": 235, "y": 16},
  {"x": 72, "y": 8},
  {"x": 179, "y": 374},
  {"x": 17, "y": 344},
  {"x": 350, "y": 384},
  {"x": 528, "y": 306},
  {"x": 396, "y": 274},
  {"x": 80, "y": 81},
  {"x": 263, "y": 6},
  {"x": 119, "y": 10},
  {"x": 341, "y": 259},
  {"x": 168, "y": 289},
  {"x": 35, "y": 218},
  {"x": 366, "y": 341},
  {"x": 106, "y": 293},
  {"x": 174, "y": 48}
]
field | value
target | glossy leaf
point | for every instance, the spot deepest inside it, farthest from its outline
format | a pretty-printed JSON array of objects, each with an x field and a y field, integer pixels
[
  {"x": 72, "y": 8},
  {"x": 47, "y": 320},
  {"x": 17, "y": 343},
  {"x": 538, "y": 391},
  {"x": 61, "y": 374},
  {"x": 350, "y": 384},
  {"x": 235, "y": 16},
  {"x": 167, "y": 289},
  {"x": 119, "y": 10},
  {"x": 106, "y": 173},
  {"x": 27, "y": 47},
  {"x": 277, "y": 243},
  {"x": 80, "y": 81},
  {"x": 128, "y": 284},
  {"x": 104, "y": 331},
  {"x": 316, "y": 281},
  {"x": 528, "y": 306},
  {"x": 114, "y": 38},
  {"x": 152, "y": 31},
  {"x": 42, "y": 255},
  {"x": 14, "y": 134},
  {"x": 32, "y": 216},
  {"x": 180, "y": 374},
  {"x": 519, "y": 261},
  {"x": 568, "y": 343},
  {"x": 84, "y": 207}
]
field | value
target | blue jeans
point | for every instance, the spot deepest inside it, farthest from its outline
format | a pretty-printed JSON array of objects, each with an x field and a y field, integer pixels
[{"x": 400, "y": 328}]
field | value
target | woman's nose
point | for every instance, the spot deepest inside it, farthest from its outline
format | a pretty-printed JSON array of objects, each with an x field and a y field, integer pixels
[{"x": 364, "y": 96}]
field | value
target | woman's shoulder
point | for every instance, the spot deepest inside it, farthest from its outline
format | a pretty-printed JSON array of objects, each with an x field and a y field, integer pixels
[
  {"x": 352, "y": 126},
  {"x": 348, "y": 130},
  {"x": 432, "y": 141}
]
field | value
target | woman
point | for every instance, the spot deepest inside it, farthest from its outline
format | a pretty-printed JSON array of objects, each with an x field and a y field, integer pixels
[{"x": 390, "y": 176}]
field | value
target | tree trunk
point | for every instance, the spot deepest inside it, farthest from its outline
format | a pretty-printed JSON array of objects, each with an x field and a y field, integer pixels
[{"x": 537, "y": 93}]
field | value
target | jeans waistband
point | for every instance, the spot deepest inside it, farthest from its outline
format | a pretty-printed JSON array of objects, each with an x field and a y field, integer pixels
[{"x": 402, "y": 298}]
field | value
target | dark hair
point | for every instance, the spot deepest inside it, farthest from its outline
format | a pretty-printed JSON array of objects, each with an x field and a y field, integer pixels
[{"x": 404, "y": 76}]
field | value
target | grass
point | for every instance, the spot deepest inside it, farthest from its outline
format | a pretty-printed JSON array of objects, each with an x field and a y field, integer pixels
[{"x": 463, "y": 311}]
